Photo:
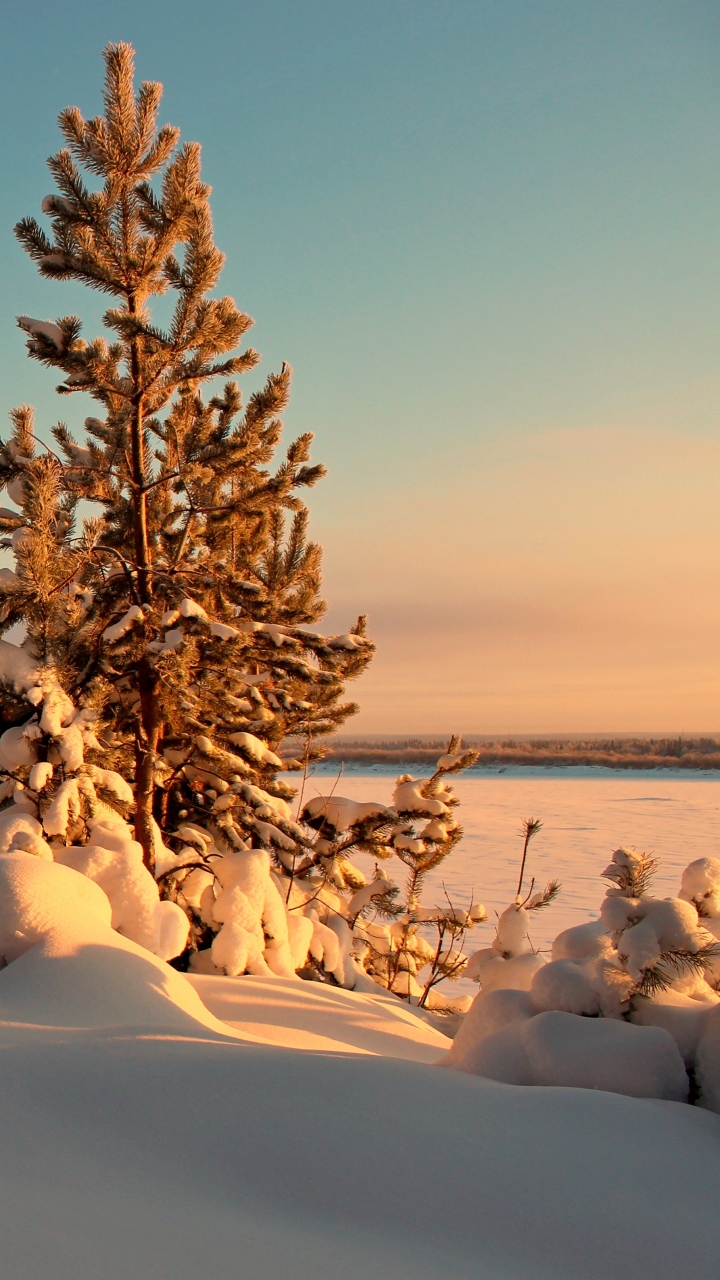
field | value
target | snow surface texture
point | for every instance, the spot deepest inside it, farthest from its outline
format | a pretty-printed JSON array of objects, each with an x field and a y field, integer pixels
[
  {"x": 311, "y": 1015},
  {"x": 126, "y": 1104}
]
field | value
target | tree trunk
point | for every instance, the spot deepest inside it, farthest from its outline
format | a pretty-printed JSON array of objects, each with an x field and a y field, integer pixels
[
  {"x": 146, "y": 741},
  {"x": 147, "y": 727}
]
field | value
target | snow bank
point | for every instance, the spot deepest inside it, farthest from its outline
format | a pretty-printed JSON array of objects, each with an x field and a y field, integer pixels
[
  {"x": 560, "y": 1049},
  {"x": 280, "y": 1163},
  {"x": 312, "y": 1015},
  {"x": 126, "y": 1103}
]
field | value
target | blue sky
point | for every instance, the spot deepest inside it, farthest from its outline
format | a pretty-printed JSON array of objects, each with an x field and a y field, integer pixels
[{"x": 485, "y": 236}]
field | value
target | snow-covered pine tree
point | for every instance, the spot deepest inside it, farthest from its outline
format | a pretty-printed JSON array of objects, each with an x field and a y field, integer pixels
[
  {"x": 176, "y": 637},
  {"x": 55, "y": 793},
  {"x": 421, "y": 830},
  {"x": 188, "y": 507}
]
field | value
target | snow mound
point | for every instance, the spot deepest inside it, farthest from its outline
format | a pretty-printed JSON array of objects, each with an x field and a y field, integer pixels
[
  {"x": 38, "y": 898},
  {"x": 489, "y": 1012},
  {"x": 66, "y": 965},
  {"x": 564, "y": 985},
  {"x": 313, "y": 1015},
  {"x": 682, "y": 1016},
  {"x": 707, "y": 1062},
  {"x": 561, "y": 1049},
  {"x": 125, "y": 1102},
  {"x": 115, "y": 862}
]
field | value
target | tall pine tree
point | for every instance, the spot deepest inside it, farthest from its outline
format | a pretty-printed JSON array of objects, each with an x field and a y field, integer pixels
[
  {"x": 192, "y": 523},
  {"x": 170, "y": 661}
]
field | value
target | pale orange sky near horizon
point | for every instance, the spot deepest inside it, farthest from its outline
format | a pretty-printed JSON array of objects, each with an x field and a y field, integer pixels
[{"x": 569, "y": 584}]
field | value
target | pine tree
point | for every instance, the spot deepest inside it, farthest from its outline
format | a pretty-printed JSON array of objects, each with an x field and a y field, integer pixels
[
  {"x": 192, "y": 521},
  {"x": 170, "y": 663},
  {"x": 421, "y": 831}
]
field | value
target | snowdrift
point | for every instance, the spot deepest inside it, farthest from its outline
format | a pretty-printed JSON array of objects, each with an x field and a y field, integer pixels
[{"x": 146, "y": 1136}]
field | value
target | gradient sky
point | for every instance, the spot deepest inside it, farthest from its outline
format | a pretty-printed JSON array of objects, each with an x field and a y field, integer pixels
[{"x": 485, "y": 235}]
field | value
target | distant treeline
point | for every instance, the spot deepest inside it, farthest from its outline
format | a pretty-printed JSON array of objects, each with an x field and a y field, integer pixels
[{"x": 613, "y": 753}]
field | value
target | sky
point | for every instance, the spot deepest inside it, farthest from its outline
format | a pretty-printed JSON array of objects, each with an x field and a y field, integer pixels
[{"x": 484, "y": 233}]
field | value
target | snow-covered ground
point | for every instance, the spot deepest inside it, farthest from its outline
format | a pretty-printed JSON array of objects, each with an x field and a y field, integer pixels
[
  {"x": 157, "y": 1127},
  {"x": 585, "y": 812},
  {"x": 143, "y": 1139}
]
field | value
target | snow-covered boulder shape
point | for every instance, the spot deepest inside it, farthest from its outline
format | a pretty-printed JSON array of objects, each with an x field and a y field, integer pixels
[
  {"x": 684, "y": 1017},
  {"x": 115, "y": 862},
  {"x": 38, "y": 898},
  {"x": 560, "y": 1049},
  {"x": 565, "y": 985},
  {"x": 254, "y": 935},
  {"x": 489, "y": 1012}
]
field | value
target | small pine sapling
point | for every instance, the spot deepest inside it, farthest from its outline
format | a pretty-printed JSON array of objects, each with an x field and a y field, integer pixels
[
  {"x": 511, "y": 943},
  {"x": 659, "y": 943},
  {"x": 421, "y": 831}
]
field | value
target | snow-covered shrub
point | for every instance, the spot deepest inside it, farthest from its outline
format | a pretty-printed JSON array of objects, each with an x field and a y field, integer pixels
[
  {"x": 647, "y": 965},
  {"x": 253, "y": 935},
  {"x": 387, "y": 932},
  {"x": 511, "y": 962},
  {"x": 700, "y": 885}
]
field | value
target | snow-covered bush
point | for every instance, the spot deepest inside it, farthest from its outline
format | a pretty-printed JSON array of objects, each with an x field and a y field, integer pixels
[
  {"x": 406, "y": 946},
  {"x": 511, "y": 961},
  {"x": 647, "y": 964}
]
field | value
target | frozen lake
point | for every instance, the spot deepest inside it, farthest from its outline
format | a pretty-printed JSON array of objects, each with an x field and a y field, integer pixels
[{"x": 586, "y": 813}]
